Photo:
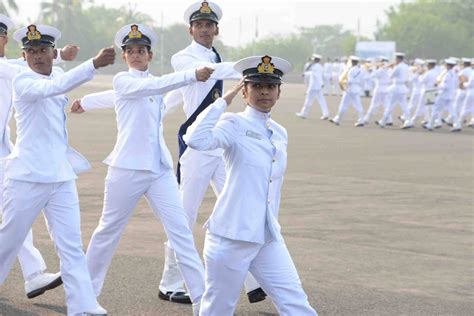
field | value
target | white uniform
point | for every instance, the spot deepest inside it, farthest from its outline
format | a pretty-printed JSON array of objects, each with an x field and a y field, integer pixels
[
  {"x": 416, "y": 92},
  {"x": 398, "y": 92},
  {"x": 40, "y": 174},
  {"x": 351, "y": 95},
  {"x": 243, "y": 233},
  {"x": 29, "y": 256},
  {"x": 139, "y": 106},
  {"x": 468, "y": 106},
  {"x": 327, "y": 77},
  {"x": 337, "y": 69},
  {"x": 428, "y": 80},
  {"x": 198, "y": 169},
  {"x": 381, "y": 96},
  {"x": 314, "y": 91},
  {"x": 460, "y": 95},
  {"x": 445, "y": 97}
]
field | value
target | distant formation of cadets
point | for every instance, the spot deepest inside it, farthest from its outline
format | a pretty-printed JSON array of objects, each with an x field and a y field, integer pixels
[{"x": 429, "y": 92}]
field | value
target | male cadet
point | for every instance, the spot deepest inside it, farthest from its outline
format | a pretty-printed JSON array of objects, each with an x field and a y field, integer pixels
[
  {"x": 468, "y": 106},
  {"x": 197, "y": 169},
  {"x": 398, "y": 90},
  {"x": 446, "y": 84},
  {"x": 337, "y": 69},
  {"x": 462, "y": 76},
  {"x": 37, "y": 281},
  {"x": 315, "y": 90},
  {"x": 415, "y": 75},
  {"x": 382, "y": 81},
  {"x": 427, "y": 80},
  {"x": 351, "y": 95},
  {"x": 40, "y": 172},
  {"x": 327, "y": 76}
]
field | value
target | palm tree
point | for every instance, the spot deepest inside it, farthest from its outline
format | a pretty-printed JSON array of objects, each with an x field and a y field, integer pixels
[{"x": 6, "y": 6}]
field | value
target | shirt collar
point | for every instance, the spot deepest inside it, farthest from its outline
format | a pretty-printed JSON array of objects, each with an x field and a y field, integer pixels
[
  {"x": 138, "y": 73},
  {"x": 255, "y": 114},
  {"x": 201, "y": 49}
]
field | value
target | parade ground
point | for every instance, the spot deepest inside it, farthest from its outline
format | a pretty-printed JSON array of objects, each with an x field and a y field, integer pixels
[{"x": 378, "y": 221}]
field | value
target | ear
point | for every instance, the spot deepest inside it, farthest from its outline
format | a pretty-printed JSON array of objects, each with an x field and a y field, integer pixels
[
  {"x": 217, "y": 29},
  {"x": 23, "y": 54},
  {"x": 123, "y": 56},
  {"x": 191, "y": 30},
  {"x": 279, "y": 91},
  {"x": 55, "y": 53},
  {"x": 150, "y": 55}
]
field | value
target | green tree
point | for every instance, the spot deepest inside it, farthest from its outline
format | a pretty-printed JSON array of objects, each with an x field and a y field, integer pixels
[
  {"x": 7, "y": 7},
  {"x": 431, "y": 29}
]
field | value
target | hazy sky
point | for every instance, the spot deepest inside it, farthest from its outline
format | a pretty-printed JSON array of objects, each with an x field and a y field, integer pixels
[{"x": 239, "y": 17}]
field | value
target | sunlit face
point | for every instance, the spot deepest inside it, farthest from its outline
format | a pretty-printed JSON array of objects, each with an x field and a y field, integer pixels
[
  {"x": 203, "y": 32},
  {"x": 40, "y": 58},
  {"x": 261, "y": 96},
  {"x": 137, "y": 56}
]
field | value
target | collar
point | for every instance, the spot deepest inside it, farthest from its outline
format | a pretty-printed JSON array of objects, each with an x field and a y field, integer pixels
[
  {"x": 201, "y": 49},
  {"x": 139, "y": 73},
  {"x": 255, "y": 114}
]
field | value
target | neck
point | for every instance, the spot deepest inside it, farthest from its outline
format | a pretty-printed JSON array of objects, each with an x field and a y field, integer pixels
[
  {"x": 208, "y": 46},
  {"x": 259, "y": 110},
  {"x": 2, "y": 51}
]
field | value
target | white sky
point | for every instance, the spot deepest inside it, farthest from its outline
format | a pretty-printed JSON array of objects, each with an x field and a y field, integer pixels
[{"x": 239, "y": 16}]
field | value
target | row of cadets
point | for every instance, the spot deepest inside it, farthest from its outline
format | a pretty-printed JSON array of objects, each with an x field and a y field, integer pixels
[
  {"x": 41, "y": 170},
  {"x": 196, "y": 169}
]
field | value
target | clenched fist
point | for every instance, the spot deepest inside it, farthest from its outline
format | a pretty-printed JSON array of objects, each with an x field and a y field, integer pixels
[
  {"x": 105, "y": 57},
  {"x": 69, "y": 52},
  {"x": 204, "y": 73},
  {"x": 76, "y": 107}
]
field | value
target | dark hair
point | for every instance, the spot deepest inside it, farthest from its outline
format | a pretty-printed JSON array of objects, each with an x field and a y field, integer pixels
[{"x": 148, "y": 48}]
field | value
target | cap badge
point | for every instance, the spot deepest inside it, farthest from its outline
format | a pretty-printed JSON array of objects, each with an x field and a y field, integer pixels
[
  {"x": 134, "y": 33},
  {"x": 33, "y": 33},
  {"x": 205, "y": 9},
  {"x": 266, "y": 67}
]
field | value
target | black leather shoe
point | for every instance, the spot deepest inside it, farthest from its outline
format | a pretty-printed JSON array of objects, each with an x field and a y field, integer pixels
[
  {"x": 256, "y": 295},
  {"x": 175, "y": 297}
]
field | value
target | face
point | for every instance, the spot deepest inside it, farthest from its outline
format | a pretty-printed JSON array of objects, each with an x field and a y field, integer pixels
[
  {"x": 398, "y": 60},
  {"x": 261, "y": 96},
  {"x": 137, "y": 56},
  {"x": 203, "y": 32},
  {"x": 40, "y": 58}
]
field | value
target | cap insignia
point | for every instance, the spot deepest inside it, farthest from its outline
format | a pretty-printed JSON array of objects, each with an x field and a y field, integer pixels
[
  {"x": 266, "y": 67},
  {"x": 134, "y": 33},
  {"x": 33, "y": 33},
  {"x": 205, "y": 9}
]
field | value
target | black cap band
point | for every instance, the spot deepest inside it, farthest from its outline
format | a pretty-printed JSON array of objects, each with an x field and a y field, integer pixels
[
  {"x": 198, "y": 15},
  {"x": 252, "y": 75},
  {"x": 45, "y": 40},
  {"x": 143, "y": 40},
  {"x": 3, "y": 29}
]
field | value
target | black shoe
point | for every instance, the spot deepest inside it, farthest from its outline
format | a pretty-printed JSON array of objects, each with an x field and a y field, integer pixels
[
  {"x": 256, "y": 295},
  {"x": 389, "y": 124},
  {"x": 175, "y": 297}
]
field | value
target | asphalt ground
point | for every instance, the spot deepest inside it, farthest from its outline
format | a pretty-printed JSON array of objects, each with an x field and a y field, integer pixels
[{"x": 378, "y": 221}]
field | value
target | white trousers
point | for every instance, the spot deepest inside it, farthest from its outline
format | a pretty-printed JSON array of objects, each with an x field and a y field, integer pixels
[
  {"x": 467, "y": 108},
  {"x": 312, "y": 94},
  {"x": 347, "y": 99},
  {"x": 198, "y": 170},
  {"x": 327, "y": 83},
  {"x": 378, "y": 99},
  {"x": 336, "y": 90},
  {"x": 30, "y": 258},
  {"x": 440, "y": 105},
  {"x": 227, "y": 263},
  {"x": 415, "y": 99},
  {"x": 123, "y": 189},
  {"x": 396, "y": 98},
  {"x": 23, "y": 203}
]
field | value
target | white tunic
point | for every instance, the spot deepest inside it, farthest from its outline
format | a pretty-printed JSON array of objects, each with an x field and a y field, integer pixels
[
  {"x": 354, "y": 80},
  {"x": 315, "y": 74},
  {"x": 255, "y": 155},
  {"x": 138, "y": 103},
  {"x": 42, "y": 153},
  {"x": 399, "y": 76}
]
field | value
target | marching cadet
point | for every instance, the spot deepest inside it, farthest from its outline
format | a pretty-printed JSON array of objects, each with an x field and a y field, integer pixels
[
  {"x": 196, "y": 169},
  {"x": 351, "y": 82},
  {"x": 427, "y": 80},
  {"x": 40, "y": 172},
  {"x": 468, "y": 106},
  {"x": 415, "y": 76},
  {"x": 446, "y": 84},
  {"x": 337, "y": 69},
  {"x": 315, "y": 90},
  {"x": 462, "y": 76},
  {"x": 243, "y": 233},
  {"x": 306, "y": 73},
  {"x": 398, "y": 90},
  {"x": 138, "y": 106},
  {"x": 327, "y": 76},
  {"x": 382, "y": 81}
]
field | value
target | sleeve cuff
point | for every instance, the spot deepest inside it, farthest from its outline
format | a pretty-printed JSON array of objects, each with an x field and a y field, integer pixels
[{"x": 190, "y": 75}]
